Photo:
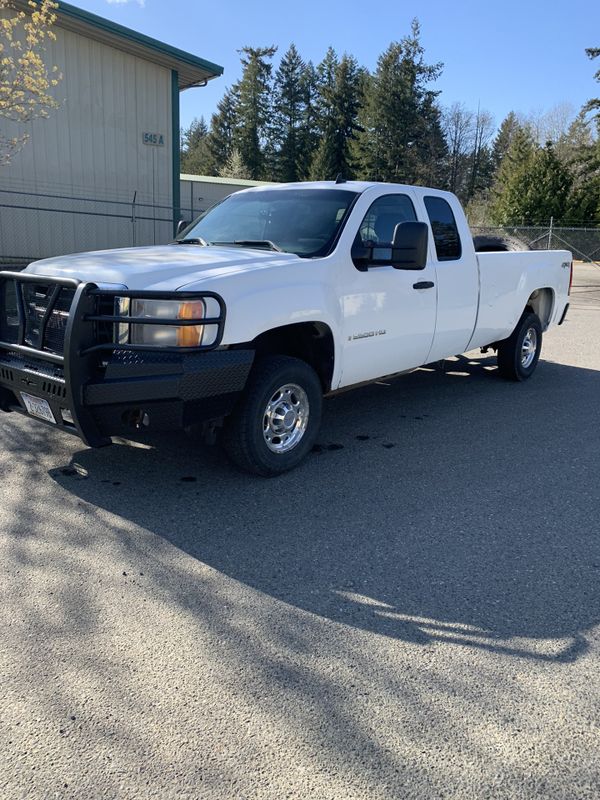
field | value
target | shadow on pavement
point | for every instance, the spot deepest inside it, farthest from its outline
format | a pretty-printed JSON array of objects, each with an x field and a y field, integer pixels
[{"x": 448, "y": 507}]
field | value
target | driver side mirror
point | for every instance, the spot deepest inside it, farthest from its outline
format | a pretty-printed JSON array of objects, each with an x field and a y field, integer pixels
[
  {"x": 409, "y": 246},
  {"x": 181, "y": 226}
]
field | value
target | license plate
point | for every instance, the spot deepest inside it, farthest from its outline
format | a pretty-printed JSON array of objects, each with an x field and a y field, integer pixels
[{"x": 38, "y": 407}]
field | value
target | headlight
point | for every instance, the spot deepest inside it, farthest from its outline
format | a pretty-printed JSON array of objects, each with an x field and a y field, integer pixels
[{"x": 171, "y": 335}]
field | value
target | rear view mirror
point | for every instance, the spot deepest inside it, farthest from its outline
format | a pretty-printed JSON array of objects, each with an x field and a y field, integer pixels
[{"x": 409, "y": 247}]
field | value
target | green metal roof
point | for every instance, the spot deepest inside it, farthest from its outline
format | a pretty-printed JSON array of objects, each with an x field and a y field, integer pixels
[{"x": 191, "y": 69}]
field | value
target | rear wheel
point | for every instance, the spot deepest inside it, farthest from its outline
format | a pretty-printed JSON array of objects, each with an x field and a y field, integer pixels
[
  {"x": 519, "y": 354},
  {"x": 276, "y": 421}
]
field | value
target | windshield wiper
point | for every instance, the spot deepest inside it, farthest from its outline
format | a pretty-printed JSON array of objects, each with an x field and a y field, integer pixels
[
  {"x": 197, "y": 240},
  {"x": 253, "y": 243},
  {"x": 259, "y": 243}
]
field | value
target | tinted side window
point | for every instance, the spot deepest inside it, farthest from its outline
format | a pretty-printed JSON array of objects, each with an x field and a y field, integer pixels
[
  {"x": 443, "y": 225},
  {"x": 377, "y": 228}
]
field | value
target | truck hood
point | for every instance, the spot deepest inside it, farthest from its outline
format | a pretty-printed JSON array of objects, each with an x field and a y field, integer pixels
[{"x": 165, "y": 267}]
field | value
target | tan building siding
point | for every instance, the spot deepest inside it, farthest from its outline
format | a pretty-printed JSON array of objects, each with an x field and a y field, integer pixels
[
  {"x": 92, "y": 144},
  {"x": 91, "y": 147}
]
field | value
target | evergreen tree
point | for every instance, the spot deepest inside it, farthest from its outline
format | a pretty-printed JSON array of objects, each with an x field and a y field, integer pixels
[
  {"x": 253, "y": 92},
  {"x": 583, "y": 157},
  {"x": 324, "y": 114},
  {"x": 396, "y": 138},
  {"x": 593, "y": 105},
  {"x": 339, "y": 99},
  {"x": 222, "y": 128},
  {"x": 549, "y": 186},
  {"x": 533, "y": 185},
  {"x": 581, "y": 153},
  {"x": 196, "y": 158},
  {"x": 507, "y": 205},
  {"x": 289, "y": 108},
  {"x": 508, "y": 128},
  {"x": 431, "y": 147},
  {"x": 234, "y": 167},
  {"x": 308, "y": 135}
]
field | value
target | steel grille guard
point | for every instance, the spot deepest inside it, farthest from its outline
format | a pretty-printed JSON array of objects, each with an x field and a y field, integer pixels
[{"x": 82, "y": 351}]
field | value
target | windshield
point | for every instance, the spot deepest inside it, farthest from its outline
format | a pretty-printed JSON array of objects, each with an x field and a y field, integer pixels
[{"x": 301, "y": 221}]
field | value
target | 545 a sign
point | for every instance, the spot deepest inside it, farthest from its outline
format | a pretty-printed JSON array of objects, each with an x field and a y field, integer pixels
[{"x": 156, "y": 139}]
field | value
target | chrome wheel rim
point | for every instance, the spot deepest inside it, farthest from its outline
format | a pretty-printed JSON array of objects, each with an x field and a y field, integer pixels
[
  {"x": 529, "y": 348},
  {"x": 285, "y": 418}
]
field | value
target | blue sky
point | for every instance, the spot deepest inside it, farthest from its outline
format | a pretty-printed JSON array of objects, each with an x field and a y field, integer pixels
[{"x": 523, "y": 56}]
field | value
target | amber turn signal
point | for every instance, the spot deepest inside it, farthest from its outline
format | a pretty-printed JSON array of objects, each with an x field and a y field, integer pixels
[{"x": 190, "y": 335}]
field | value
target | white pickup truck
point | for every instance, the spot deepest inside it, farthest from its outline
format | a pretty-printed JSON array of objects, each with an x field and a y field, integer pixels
[{"x": 268, "y": 301}]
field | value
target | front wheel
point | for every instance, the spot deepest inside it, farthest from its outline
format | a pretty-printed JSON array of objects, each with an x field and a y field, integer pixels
[
  {"x": 276, "y": 421},
  {"x": 519, "y": 354}
]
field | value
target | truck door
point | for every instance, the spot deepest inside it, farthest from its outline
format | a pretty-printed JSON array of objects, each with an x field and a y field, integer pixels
[
  {"x": 456, "y": 276},
  {"x": 388, "y": 314}
]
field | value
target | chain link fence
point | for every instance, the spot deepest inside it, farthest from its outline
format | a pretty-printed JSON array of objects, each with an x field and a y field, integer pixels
[
  {"x": 36, "y": 225},
  {"x": 583, "y": 242}
]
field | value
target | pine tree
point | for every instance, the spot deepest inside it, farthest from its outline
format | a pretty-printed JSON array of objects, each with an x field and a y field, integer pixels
[
  {"x": 339, "y": 100},
  {"x": 395, "y": 141},
  {"x": 234, "y": 167},
  {"x": 580, "y": 150},
  {"x": 533, "y": 184},
  {"x": 196, "y": 158},
  {"x": 549, "y": 186},
  {"x": 254, "y": 107},
  {"x": 308, "y": 135},
  {"x": 581, "y": 153},
  {"x": 289, "y": 108},
  {"x": 583, "y": 157},
  {"x": 325, "y": 116},
  {"x": 508, "y": 206},
  {"x": 508, "y": 128},
  {"x": 222, "y": 128},
  {"x": 431, "y": 147},
  {"x": 593, "y": 105}
]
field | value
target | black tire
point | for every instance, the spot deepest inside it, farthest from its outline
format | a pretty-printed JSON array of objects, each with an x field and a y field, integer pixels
[
  {"x": 512, "y": 363},
  {"x": 485, "y": 243},
  {"x": 243, "y": 437}
]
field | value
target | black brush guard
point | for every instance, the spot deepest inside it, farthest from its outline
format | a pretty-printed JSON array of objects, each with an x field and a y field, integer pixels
[{"x": 97, "y": 387}]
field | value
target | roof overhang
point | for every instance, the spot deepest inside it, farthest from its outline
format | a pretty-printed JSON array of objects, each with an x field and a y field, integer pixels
[{"x": 191, "y": 70}]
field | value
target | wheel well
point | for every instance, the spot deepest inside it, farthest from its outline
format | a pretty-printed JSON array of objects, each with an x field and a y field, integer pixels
[
  {"x": 310, "y": 341},
  {"x": 541, "y": 302}
]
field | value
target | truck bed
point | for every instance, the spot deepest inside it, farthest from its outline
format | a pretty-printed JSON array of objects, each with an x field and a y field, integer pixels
[{"x": 503, "y": 277}]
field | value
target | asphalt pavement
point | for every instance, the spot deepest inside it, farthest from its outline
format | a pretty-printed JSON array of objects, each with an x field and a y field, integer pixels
[{"x": 413, "y": 613}]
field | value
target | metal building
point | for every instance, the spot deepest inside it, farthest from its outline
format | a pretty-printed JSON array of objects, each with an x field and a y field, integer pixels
[
  {"x": 103, "y": 169},
  {"x": 199, "y": 192}
]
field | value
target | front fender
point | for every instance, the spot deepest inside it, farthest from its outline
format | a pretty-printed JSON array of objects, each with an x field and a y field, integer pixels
[{"x": 251, "y": 311}]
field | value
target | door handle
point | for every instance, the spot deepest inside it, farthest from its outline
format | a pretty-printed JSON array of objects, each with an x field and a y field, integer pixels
[{"x": 423, "y": 285}]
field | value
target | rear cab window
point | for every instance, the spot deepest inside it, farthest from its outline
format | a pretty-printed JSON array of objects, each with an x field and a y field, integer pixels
[{"x": 445, "y": 231}]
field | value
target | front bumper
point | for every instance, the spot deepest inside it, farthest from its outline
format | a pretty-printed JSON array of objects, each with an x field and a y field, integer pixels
[
  {"x": 149, "y": 392},
  {"x": 98, "y": 390}
]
